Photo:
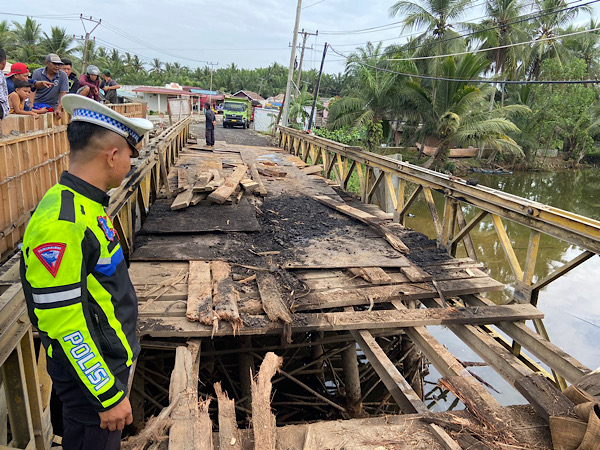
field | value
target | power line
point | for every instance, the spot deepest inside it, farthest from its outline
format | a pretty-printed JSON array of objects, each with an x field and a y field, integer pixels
[
  {"x": 463, "y": 80},
  {"x": 47, "y": 16},
  {"x": 320, "y": 1},
  {"x": 533, "y": 41}
]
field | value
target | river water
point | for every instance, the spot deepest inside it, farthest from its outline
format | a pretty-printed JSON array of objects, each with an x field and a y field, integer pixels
[{"x": 570, "y": 303}]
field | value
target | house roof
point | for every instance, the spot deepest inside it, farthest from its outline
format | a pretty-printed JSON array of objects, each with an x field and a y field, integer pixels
[
  {"x": 277, "y": 99},
  {"x": 160, "y": 90},
  {"x": 251, "y": 95}
]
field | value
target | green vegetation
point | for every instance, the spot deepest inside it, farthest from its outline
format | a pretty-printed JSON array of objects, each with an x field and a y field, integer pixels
[{"x": 427, "y": 90}]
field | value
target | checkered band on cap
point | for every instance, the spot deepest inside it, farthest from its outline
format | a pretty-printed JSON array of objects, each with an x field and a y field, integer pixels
[{"x": 121, "y": 129}]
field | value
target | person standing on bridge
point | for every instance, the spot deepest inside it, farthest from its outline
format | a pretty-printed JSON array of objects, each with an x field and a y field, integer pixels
[
  {"x": 75, "y": 278},
  {"x": 211, "y": 121}
]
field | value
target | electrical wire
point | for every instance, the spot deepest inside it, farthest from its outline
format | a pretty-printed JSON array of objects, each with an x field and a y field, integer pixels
[
  {"x": 310, "y": 6},
  {"x": 533, "y": 41},
  {"x": 465, "y": 80}
]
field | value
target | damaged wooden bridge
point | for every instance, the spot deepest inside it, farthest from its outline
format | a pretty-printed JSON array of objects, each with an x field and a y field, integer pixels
[{"x": 279, "y": 311}]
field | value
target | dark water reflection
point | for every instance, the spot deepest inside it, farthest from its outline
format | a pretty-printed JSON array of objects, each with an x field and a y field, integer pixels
[{"x": 570, "y": 303}]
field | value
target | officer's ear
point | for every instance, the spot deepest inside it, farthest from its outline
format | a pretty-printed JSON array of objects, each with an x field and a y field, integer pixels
[{"x": 111, "y": 153}]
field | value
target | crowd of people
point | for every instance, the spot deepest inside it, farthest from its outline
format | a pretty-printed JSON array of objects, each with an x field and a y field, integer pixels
[{"x": 22, "y": 92}]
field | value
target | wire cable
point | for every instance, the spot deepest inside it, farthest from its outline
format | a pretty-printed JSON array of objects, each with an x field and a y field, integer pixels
[{"x": 466, "y": 80}]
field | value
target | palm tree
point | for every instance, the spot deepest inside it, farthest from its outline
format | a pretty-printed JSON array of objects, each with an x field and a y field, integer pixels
[
  {"x": 585, "y": 46},
  {"x": 6, "y": 36},
  {"x": 552, "y": 15},
  {"x": 498, "y": 30},
  {"x": 459, "y": 115},
  {"x": 374, "y": 97},
  {"x": 156, "y": 66},
  {"x": 57, "y": 42},
  {"x": 27, "y": 38}
]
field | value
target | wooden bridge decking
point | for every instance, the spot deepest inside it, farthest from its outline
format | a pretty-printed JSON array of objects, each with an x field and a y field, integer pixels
[{"x": 293, "y": 258}]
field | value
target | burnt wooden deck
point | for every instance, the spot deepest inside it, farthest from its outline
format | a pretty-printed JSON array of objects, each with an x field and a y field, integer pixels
[{"x": 291, "y": 265}]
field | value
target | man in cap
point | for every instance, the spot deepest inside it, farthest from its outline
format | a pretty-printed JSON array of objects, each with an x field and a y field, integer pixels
[
  {"x": 52, "y": 96},
  {"x": 75, "y": 279},
  {"x": 20, "y": 71},
  {"x": 109, "y": 86}
]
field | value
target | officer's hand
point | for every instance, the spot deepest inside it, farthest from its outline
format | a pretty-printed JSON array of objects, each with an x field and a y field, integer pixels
[{"x": 117, "y": 417}]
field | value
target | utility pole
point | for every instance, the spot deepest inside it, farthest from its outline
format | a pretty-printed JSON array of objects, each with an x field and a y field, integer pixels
[
  {"x": 87, "y": 37},
  {"x": 306, "y": 34},
  {"x": 211, "y": 79},
  {"x": 314, "y": 105},
  {"x": 288, "y": 88}
]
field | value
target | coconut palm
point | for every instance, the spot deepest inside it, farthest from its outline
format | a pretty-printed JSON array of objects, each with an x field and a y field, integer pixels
[
  {"x": 6, "y": 36},
  {"x": 585, "y": 46},
  {"x": 156, "y": 66},
  {"x": 57, "y": 42},
  {"x": 459, "y": 114},
  {"x": 551, "y": 17},
  {"x": 27, "y": 38}
]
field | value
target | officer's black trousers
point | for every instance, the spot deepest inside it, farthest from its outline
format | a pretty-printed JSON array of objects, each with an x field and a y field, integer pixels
[
  {"x": 81, "y": 423},
  {"x": 209, "y": 135}
]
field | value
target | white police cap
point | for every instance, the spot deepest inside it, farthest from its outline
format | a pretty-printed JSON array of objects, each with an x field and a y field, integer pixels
[{"x": 85, "y": 109}]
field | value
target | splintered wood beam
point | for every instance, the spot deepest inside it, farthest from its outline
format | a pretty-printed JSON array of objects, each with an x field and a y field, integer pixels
[
  {"x": 270, "y": 295},
  {"x": 263, "y": 420},
  {"x": 311, "y": 170},
  {"x": 367, "y": 219},
  {"x": 225, "y": 296},
  {"x": 402, "y": 393},
  {"x": 222, "y": 193},
  {"x": 182, "y": 179},
  {"x": 229, "y": 435},
  {"x": 199, "y": 301},
  {"x": 544, "y": 396},
  {"x": 359, "y": 320}
]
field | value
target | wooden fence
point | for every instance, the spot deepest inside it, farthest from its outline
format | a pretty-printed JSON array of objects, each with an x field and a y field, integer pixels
[
  {"x": 26, "y": 385},
  {"x": 375, "y": 171},
  {"x": 33, "y": 154}
]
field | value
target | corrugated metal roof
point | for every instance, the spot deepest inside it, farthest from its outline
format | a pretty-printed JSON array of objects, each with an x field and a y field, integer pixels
[
  {"x": 160, "y": 90},
  {"x": 250, "y": 94}
]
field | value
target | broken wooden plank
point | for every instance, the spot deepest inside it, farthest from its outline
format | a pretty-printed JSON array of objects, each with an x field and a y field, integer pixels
[
  {"x": 249, "y": 185},
  {"x": 260, "y": 190},
  {"x": 359, "y": 320},
  {"x": 203, "y": 179},
  {"x": 374, "y": 275},
  {"x": 223, "y": 192},
  {"x": 225, "y": 297},
  {"x": 343, "y": 296},
  {"x": 367, "y": 219},
  {"x": 263, "y": 420},
  {"x": 416, "y": 274},
  {"x": 271, "y": 171},
  {"x": 199, "y": 301},
  {"x": 229, "y": 437},
  {"x": 273, "y": 303},
  {"x": 197, "y": 198},
  {"x": 216, "y": 182},
  {"x": 183, "y": 182},
  {"x": 310, "y": 170},
  {"x": 182, "y": 200}
]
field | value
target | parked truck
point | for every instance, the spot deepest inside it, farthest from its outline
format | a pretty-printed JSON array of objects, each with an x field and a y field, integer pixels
[{"x": 237, "y": 112}]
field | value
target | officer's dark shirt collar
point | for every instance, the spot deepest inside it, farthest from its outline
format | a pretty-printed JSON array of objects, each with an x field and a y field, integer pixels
[{"x": 84, "y": 188}]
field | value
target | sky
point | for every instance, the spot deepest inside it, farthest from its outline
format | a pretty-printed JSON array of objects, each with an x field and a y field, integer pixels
[{"x": 248, "y": 33}]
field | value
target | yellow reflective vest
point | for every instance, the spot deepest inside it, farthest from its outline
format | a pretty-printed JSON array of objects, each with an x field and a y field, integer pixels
[{"x": 78, "y": 292}]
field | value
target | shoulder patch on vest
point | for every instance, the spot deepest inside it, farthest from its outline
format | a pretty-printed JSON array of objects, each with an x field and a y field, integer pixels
[
  {"x": 50, "y": 255},
  {"x": 109, "y": 232}
]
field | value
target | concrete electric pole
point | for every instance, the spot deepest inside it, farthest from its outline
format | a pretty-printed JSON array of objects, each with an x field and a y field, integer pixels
[
  {"x": 288, "y": 88},
  {"x": 305, "y": 36},
  {"x": 87, "y": 38}
]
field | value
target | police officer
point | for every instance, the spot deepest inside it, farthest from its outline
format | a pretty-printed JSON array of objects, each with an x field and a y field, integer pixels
[{"x": 78, "y": 292}]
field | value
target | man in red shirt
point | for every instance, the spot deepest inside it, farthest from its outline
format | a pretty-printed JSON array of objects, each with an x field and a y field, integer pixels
[{"x": 89, "y": 83}]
